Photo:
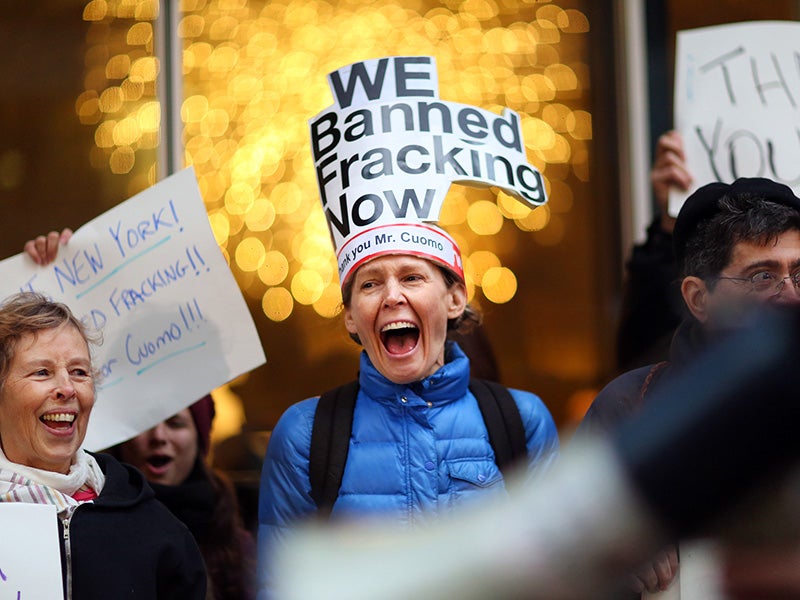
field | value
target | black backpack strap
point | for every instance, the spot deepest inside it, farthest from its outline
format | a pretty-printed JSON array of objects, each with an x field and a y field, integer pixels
[
  {"x": 330, "y": 442},
  {"x": 503, "y": 422}
]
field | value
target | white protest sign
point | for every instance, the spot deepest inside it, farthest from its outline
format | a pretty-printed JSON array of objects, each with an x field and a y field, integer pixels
[
  {"x": 30, "y": 559},
  {"x": 737, "y": 103},
  {"x": 389, "y": 148},
  {"x": 149, "y": 275}
]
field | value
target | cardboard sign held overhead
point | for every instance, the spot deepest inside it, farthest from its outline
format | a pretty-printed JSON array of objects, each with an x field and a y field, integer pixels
[{"x": 737, "y": 103}]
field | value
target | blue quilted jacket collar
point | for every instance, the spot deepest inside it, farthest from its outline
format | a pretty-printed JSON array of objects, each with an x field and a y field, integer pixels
[{"x": 448, "y": 384}]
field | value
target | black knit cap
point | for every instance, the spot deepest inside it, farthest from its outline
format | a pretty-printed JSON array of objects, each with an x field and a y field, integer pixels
[{"x": 703, "y": 204}]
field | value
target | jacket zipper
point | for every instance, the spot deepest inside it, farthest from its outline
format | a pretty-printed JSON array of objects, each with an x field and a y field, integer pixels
[{"x": 68, "y": 552}]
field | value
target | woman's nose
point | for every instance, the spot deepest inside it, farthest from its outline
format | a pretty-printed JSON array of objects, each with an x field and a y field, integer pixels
[
  {"x": 64, "y": 387},
  {"x": 393, "y": 293}
]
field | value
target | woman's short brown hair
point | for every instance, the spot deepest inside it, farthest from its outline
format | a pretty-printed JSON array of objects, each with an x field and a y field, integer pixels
[{"x": 29, "y": 313}]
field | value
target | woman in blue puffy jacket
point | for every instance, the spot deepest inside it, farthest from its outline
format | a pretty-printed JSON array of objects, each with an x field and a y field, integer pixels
[{"x": 418, "y": 445}]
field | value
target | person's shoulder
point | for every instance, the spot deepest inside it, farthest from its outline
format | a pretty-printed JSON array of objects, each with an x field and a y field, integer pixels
[
  {"x": 124, "y": 484},
  {"x": 299, "y": 414},
  {"x": 532, "y": 409},
  {"x": 619, "y": 399},
  {"x": 292, "y": 433}
]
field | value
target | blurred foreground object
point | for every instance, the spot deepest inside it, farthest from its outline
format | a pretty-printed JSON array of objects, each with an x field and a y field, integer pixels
[{"x": 677, "y": 469}]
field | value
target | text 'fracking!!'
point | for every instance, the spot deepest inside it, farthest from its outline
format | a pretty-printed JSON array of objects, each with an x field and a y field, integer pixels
[{"x": 389, "y": 148}]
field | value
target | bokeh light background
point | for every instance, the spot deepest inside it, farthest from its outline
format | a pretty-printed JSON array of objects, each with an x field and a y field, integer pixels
[{"x": 254, "y": 72}]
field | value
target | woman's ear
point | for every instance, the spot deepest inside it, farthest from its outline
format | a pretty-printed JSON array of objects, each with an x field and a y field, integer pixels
[
  {"x": 696, "y": 295},
  {"x": 349, "y": 322},
  {"x": 457, "y": 300}
]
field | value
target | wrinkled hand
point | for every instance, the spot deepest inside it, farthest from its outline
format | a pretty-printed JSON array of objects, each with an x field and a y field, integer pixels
[
  {"x": 44, "y": 248},
  {"x": 656, "y": 575},
  {"x": 759, "y": 573},
  {"x": 669, "y": 170}
]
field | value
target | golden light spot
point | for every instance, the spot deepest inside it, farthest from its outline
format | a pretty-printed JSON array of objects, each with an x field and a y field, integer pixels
[
  {"x": 538, "y": 219},
  {"x": 250, "y": 254},
  {"x": 87, "y": 108},
  {"x": 95, "y": 10},
  {"x": 484, "y": 218},
  {"x": 261, "y": 215},
  {"x": 214, "y": 123},
  {"x": 132, "y": 89},
  {"x": 538, "y": 134},
  {"x": 219, "y": 226},
  {"x": 579, "y": 124},
  {"x": 223, "y": 59},
  {"x": 149, "y": 116},
  {"x": 479, "y": 263},
  {"x": 454, "y": 208},
  {"x": 239, "y": 198},
  {"x": 275, "y": 268},
  {"x": 576, "y": 22},
  {"x": 286, "y": 197},
  {"x": 480, "y": 9},
  {"x": 277, "y": 304},
  {"x": 122, "y": 160},
  {"x": 118, "y": 66},
  {"x": 140, "y": 34},
  {"x": 563, "y": 78},
  {"x": 499, "y": 285},
  {"x": 146, "y": 10},
  {"x": 307, "y": 286},
  {"x": 145, "y": 68},
  {"x": 104, "y": 134},
  {"x": 330, "y": 302},
  {"x": 126, "y": 132},
  {"x": 194, "y": 108},
  {"x": 511, "y": 207},
  {"x": 111, "y": 100}
]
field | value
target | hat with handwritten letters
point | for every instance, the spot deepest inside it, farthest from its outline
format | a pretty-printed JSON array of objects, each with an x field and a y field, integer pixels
[
  {"x": 387, "y": 150},
  {"x": 703, "y": 204}
]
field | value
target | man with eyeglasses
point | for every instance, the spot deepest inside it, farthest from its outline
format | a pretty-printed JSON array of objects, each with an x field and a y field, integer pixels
[{"x": 737, "y": 246}]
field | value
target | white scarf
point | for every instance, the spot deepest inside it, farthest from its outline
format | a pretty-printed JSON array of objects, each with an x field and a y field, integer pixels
[{"x": 19, "y": 483}]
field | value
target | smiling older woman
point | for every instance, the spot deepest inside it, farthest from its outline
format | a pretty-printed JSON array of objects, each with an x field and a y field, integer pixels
[
  {"x": 121, "y": 543},
  {"x": 418, "y": 445}
]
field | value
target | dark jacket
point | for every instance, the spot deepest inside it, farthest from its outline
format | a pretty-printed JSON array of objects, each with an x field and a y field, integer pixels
[
  {"x": 127, "y": 545},
  {"x": 652, "y": 305},
  {"x": 625, "y": 395}
]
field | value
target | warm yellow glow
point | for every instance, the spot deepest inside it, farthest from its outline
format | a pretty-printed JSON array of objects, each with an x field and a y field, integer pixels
[
  {"x": 254, "y": 72},
  {"x": 330, "y": 302},
  {"x": 479, "y": 263},
  {"x": 536, "y": 220},
  {"x": 484, "y": 218},
  {"x": 277, "y": 304},
  {"x": 307, "y": 286},
  {"x": 220, "y": 227},
  {"x": 499, "y": 285},
  {"x": 250, "y": 254},
  {"x": 275, "y": 268}
]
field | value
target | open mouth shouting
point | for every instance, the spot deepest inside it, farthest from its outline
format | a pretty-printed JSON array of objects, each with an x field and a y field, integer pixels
[
  {"x": 399, "y": 337},
  {"x": 158, "y": 464}
]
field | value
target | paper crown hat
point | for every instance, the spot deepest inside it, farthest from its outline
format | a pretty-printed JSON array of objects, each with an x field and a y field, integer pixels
[{"x": 387, "y": 151}]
